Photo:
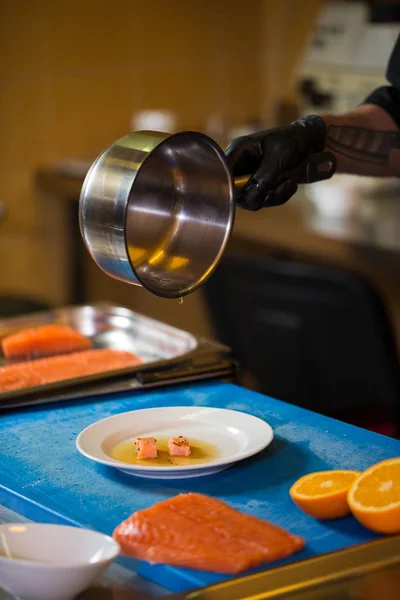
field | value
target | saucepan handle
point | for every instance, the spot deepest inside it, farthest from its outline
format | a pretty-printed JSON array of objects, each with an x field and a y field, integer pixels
[{"x": 316, "y": 168}]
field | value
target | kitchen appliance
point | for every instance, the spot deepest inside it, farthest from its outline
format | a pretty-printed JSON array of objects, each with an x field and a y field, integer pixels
[
  {"x": 157, "y": 209},
  {"x": 345, "y": 60},
  {"x": 346, "y": 57}
]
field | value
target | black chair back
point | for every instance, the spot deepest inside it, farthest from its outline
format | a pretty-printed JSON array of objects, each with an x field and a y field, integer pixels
[{"x": 312, "y": 336}]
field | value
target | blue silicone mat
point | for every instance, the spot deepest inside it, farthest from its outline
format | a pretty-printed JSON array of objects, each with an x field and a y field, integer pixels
[{"x": 43, "y": 477}]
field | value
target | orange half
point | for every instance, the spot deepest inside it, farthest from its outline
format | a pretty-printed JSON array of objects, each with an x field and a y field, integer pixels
[
  {"x": 374, "y": 498},
  {"x": 323, "y": 495}
]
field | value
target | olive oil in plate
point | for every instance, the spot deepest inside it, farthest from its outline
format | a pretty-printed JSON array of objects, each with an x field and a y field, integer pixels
[{"x": 201, "y": 452}]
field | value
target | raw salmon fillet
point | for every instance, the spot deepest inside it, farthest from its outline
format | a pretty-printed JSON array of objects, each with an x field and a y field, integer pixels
[
  {"x": 199, "y": 532},
  {"x": 44, "y": 341},
  {"x": 58, "y": 368}
]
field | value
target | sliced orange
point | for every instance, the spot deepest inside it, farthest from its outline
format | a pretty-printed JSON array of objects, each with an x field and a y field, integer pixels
[
  {"x": 374, "y": 498},
  {"x": 323, "y": 495}
]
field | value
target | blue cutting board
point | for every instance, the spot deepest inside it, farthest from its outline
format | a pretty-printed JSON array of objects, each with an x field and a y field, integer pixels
[{"x": 43, "y": 477}]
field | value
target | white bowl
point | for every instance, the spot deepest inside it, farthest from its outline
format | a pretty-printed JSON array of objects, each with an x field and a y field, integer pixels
[{"x": 52, "y": 562}]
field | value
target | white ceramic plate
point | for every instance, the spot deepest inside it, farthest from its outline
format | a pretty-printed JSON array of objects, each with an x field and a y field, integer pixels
[{"x": 237, "y": 436}]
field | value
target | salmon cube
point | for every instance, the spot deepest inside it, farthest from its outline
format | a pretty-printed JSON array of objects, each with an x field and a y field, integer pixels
[
  {"x": 146, "y": 447},
  {"x": 178, "y": 446}
]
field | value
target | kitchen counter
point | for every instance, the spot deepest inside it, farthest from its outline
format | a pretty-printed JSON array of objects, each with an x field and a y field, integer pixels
[
  {"x": 44, "y": 478},
  {"x": 356, "y": 572},
  {"x": 374, "y": 225}
]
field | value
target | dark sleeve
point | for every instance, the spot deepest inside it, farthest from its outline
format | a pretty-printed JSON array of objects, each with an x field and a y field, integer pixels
[{"x": 388, "y": 96}]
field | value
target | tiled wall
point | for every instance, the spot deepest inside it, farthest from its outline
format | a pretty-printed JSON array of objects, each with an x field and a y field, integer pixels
[{"x": 73, "y": 73}]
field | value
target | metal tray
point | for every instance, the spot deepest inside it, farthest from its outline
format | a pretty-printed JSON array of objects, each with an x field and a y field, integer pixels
[{"x": 162, "y": 348}]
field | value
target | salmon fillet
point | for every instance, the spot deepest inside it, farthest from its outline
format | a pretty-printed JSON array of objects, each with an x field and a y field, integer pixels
[
  {"x": 44, "y": 341},
  {"x": 199, "y": 532},
  {"x": 59, "y": 368}
]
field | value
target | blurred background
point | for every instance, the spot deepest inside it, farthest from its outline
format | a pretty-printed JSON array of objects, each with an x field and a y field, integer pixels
[{"x": 309, "y": 294}]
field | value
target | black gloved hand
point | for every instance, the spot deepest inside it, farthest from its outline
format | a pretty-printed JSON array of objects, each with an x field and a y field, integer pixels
[{"x": 270, "y": 156}]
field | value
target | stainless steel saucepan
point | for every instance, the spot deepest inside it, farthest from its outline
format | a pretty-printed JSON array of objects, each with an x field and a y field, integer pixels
[{"x": 157, "y": 209}]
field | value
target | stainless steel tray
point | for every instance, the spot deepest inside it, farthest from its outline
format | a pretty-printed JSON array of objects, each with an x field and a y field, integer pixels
[{"x": 168, "y": 354}]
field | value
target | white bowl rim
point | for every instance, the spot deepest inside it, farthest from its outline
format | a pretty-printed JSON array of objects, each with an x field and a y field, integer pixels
[{"x": 78, "y": 565}]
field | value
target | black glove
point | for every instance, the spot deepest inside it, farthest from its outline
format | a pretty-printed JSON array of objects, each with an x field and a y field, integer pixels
[{"x": 278, "y": 159}]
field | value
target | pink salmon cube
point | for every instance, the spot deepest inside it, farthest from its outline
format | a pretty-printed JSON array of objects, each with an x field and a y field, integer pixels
[
  {"x": 146, "y": 447},
  {"x": 178, "y": 446}
]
